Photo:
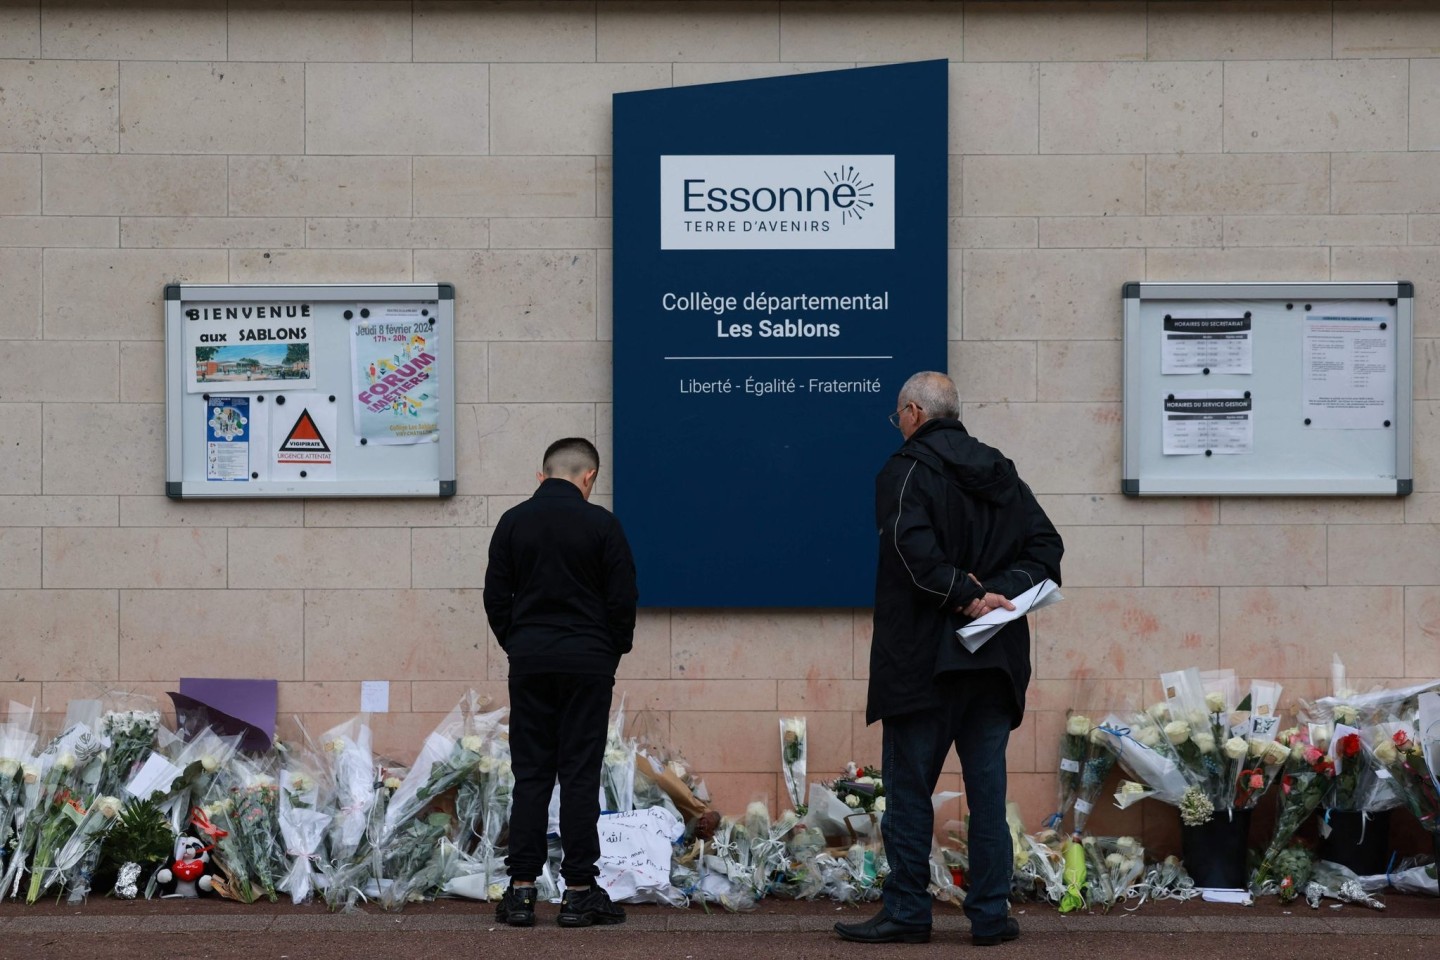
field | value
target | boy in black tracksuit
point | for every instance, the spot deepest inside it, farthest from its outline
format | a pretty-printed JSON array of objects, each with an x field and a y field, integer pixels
[{"x": 560, "y": 597}]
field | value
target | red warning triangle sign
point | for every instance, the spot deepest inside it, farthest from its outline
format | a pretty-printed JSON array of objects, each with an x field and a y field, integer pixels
[{"x": 304, "y": 436}]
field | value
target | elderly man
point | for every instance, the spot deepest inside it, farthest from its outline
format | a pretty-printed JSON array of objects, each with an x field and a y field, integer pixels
[{"x": 959, "y": 533}]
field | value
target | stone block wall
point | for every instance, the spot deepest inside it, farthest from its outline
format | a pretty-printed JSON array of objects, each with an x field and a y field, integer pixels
[{"x": 469, "y": 141}]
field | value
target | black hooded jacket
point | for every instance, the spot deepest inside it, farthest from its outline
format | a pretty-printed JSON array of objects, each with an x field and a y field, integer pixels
[{"x": 948, "y": 506}]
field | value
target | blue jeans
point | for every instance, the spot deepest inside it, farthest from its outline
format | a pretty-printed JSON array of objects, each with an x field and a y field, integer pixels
[{"x": 975, "y": 717}]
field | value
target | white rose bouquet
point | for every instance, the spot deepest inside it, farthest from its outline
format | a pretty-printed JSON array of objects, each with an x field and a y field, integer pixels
[
  {"x": 303, "y": 827},
  {"x": 793, "y": 757},
  {"x": 1074, "y": 742},
  {"x": 350, "y": 770}
]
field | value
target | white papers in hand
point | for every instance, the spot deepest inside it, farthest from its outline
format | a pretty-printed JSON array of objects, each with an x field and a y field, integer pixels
[{"x": 974, "y": 634}]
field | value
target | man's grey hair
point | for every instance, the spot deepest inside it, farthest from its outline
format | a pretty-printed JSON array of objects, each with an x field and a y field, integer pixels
[
  {"x": 570, "y": 457},
  {"x": 932, "y": 392}
]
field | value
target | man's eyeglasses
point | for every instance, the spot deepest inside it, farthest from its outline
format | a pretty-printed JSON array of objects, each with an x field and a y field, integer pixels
[{"x": 894, "y": 418}]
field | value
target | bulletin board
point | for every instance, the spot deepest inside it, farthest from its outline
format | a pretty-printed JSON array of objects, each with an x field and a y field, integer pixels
[
  {"x": 1268, "y": 389},
  {"x": 309, "y": 390}
]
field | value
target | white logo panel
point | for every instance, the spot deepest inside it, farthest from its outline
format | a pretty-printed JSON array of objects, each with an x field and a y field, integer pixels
[{"x": 792, "y": 202}]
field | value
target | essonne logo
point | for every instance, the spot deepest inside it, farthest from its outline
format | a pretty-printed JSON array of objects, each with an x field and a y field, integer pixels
[{"x": 765, "y": 202}]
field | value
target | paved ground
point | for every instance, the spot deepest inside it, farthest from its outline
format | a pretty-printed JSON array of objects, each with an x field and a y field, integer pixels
[{"x": 117, "y": 930}]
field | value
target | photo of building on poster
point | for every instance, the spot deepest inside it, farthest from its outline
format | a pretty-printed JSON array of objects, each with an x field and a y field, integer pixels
[
  {"x": 394, "y": 369},
  {"x": 250, "y": 346}
]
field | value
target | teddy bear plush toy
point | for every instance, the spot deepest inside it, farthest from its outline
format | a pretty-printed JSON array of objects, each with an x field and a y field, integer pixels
[{"x": 188, "y": 871}]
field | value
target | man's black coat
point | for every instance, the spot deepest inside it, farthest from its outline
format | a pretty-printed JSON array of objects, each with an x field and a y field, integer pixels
[{"x": 947, "y": 506}]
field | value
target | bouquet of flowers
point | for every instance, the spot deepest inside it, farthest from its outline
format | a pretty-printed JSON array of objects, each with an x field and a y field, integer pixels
[
  {"x": 90, "y": 827},
  {"x": 417, "y": 860},
  {"x": 67, "y": 770},
  {"x": 188, "y": 776},
  {"x": 129, "y": 736},
  {"x": 1114, "y": 867},
  {"x": 617, "y": 772},
  {"x": 1198, "y": 725},
  {"x": 1401, "y": 757},
  {"x": 1073, "y": 744},
  {"x": 1099, "y": 761},
  {"x": 350, "y": 769},
  {"x": 496, "y": 797},
  {"x": 303, "y": 827},
  {"x": 348, "y": 879},
  {"x": 793, "y": 754},
  {"x": 241, "y": 816},
  {"x": 451, "y": 753},
  {"x": 1306, "y": 779},
  {"x": 1143, "y": 750},
  {"x": 17, "y": 743},
  {"x": 1167, "y": 880},
  {"x": 132, "y": 736}
]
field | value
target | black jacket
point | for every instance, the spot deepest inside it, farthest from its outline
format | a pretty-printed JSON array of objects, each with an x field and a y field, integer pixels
[
  {"x": 560, "y": 588},
  {"x": 947, "y": 506}
]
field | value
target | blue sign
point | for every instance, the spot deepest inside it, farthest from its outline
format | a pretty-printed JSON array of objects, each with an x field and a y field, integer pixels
[{"x": 780, "y": 270}]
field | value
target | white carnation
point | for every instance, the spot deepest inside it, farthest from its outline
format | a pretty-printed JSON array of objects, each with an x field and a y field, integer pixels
[{"x": 852, "y": 801}]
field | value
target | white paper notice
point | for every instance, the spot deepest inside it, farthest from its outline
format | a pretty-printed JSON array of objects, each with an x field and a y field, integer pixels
[
  {"x": 156, "y": 776},
  {"x": 1349, "y": 373},
  {"x": 374, "y": 696},
  {"x": 302, "y": 437},
  {"x": 974, "y": 634},
  {"x": 1207, "y": 341},
  {"x": 635, "y": 850},
  {"x": 1208, "y": 422}
]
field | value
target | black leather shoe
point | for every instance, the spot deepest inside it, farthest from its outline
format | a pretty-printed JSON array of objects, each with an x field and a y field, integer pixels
[
  {"x": 1010, "y": 932},
  {"x": 881, "y": 929}
]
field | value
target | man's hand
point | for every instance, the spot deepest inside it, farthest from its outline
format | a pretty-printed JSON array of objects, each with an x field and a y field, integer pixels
[{"x": 983, "y": 605}]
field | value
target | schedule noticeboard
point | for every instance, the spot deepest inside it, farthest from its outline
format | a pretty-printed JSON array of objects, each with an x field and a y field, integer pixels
[
  {"x": 1268, "y": 389},
  {"x": 309, "y": 390}
]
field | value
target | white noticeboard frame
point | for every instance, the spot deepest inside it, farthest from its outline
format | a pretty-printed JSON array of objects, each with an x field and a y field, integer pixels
[
  {"x": 1324, "y": 409},
  {"x": 228, "y": 411}
]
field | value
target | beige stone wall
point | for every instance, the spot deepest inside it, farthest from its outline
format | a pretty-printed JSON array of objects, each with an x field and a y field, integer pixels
[{"x": 378, "y": 140}]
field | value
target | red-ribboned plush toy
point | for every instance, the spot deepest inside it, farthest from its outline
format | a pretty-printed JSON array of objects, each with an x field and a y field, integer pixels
[{"x": 192, "y": 858}]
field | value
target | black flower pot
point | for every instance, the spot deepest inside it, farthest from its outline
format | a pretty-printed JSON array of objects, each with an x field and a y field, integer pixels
[
  {"x": 1356, "y": 842},
  {"x": 1214, "y": 852}
]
